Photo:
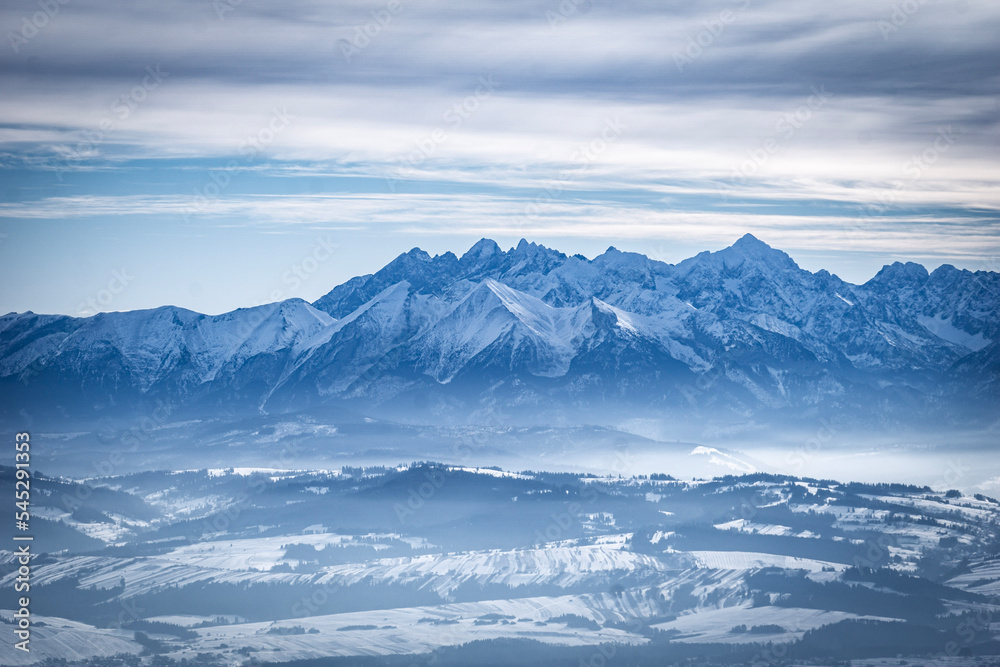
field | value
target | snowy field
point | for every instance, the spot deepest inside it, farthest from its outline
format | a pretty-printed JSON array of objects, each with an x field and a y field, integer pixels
[
  {"x": 419, "y": 629},
  {"x": 728, "y": 561}
]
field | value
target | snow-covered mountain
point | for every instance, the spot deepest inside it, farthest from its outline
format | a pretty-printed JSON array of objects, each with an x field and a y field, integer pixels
[{"x": 740, "y": 333}]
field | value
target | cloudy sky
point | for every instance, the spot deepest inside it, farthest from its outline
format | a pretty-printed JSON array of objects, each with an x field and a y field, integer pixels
[{"x": 217, "y": 154}]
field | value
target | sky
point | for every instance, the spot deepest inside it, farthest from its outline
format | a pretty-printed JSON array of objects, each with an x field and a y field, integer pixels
[{"x": 216, "y": 154}]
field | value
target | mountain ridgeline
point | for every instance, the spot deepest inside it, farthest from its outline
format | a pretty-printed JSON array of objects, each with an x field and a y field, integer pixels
[{"x": 532, "y": 335}]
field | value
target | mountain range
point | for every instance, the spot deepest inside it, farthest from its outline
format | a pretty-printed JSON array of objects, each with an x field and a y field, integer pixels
[{"x": 534, "y": 335}]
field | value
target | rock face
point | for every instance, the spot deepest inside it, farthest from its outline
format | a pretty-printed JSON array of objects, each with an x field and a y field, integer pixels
[{"x": 535, "y": 334}]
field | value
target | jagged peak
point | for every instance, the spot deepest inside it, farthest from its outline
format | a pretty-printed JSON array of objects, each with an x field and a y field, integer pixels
[
  {"x": 530, "y": 256},
  {"x": 417, "y": 253},
  {"x": 408, "y": 258},
  {"x": 946, "y": 269},
  {"x": 899, "y": 271},
  {"x": 747, "y": 248},
  {"x": 293, "y": 301},
  {"x": 158, "y": 311},
  {"x": 483, "y": 249},
  {"x": 749, "y": 241},
  {"x": 751, "y": 246},
  {"x": 602, "y": 306},
  {"x": 619, "y": 256},
  {"x": 296, "y": 307},
  {"x": 530, "y": 248}
]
